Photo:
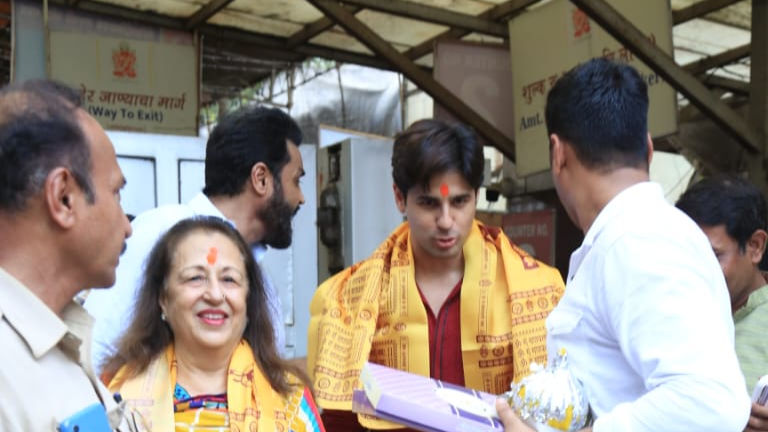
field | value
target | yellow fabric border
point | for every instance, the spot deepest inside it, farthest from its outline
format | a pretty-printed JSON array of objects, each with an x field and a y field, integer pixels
[
  {"x": 373, "y": 311},
  {"x": 252, "y": 403}
]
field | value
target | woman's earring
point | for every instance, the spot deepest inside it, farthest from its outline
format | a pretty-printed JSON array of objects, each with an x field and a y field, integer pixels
[{"x": 162, "y": 316}]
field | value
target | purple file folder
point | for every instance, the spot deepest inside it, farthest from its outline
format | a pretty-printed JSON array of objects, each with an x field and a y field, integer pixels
[{"x": 423, "y": 403}]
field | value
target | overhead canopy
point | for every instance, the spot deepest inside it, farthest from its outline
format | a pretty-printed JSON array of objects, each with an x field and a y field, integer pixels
[{"x": 244, "y": 40}]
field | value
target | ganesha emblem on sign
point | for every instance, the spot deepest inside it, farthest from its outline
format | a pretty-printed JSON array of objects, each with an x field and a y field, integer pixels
[
  {"x": 124, "y": 61},
  {"x": 580, "y": 23}
]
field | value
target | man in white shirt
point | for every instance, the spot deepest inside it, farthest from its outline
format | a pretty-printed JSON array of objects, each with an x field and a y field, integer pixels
[
  {"x": 252, "y": 172},
  {"x": 61, "y": 230},
  {"x": 646, "y": 318}
]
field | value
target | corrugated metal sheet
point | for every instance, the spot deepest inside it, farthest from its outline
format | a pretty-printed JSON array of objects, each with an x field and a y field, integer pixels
[
  {"x": 280, "y": 19},
  {"x": 716, "y": 32}
]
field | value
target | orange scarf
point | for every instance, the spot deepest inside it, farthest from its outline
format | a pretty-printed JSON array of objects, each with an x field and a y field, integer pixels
[
  {"x": 373, "y": 311},
  {"x": 252, "y": 403}
]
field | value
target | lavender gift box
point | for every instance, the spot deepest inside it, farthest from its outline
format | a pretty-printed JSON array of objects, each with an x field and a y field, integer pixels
[{"x": 423, "y": 403}]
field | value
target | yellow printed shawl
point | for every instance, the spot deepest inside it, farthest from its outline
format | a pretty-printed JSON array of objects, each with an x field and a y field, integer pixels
[
  {"x": 373, "y": 311},
  {"x": 252, "y": 403}
]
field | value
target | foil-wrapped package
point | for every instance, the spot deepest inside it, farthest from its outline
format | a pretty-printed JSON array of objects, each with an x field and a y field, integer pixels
[{"x": 550, "y": 399}]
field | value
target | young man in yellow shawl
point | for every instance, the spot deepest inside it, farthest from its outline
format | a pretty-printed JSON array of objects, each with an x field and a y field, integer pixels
[{"x": 444, "y": 296}]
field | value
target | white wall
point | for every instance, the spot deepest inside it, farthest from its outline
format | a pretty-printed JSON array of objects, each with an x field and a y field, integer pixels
[{"x": 150, "y": 163}]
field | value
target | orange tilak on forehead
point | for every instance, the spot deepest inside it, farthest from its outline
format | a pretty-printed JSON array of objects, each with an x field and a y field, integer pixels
[
  {"x": 212, "y": 254},
  {"x": 444, "y": 190}
]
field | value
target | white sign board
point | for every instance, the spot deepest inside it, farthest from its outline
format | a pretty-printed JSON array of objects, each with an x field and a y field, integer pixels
[
  {"x": 550, "y": 40},
  {"x": 128, "y": 84},
  {"x": 479, "y": 75}
]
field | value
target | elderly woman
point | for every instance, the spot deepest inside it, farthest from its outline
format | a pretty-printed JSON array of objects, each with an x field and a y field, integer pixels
[{"x": 200, "y": 352}]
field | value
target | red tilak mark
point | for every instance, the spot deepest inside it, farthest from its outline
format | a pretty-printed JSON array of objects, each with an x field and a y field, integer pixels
[
  {"x": 444, "y": 190},
  {"x": 212, "y": 256}
]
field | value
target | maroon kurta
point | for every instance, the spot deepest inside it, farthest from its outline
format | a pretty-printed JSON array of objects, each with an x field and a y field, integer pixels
[{"x": 444, "y": 357}]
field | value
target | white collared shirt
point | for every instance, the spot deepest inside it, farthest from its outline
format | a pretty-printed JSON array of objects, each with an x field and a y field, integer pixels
[
  {"x": 646, "y": 322},
  {"x": 112, "y": 307},
  {"x": 45, "y": 375}
]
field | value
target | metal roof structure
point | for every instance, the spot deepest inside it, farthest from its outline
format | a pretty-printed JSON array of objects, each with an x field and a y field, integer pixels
[{"x": 245, "y": 41}]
